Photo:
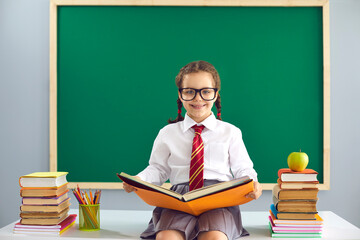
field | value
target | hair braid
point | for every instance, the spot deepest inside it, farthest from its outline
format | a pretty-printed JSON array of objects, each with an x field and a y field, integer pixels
[
  {"x": 179, "y": 116},
  {"x": 218, "y": 107}
]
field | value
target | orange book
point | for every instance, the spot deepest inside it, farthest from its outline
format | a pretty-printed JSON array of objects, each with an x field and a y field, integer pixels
[{"x": 225, "y": 194}]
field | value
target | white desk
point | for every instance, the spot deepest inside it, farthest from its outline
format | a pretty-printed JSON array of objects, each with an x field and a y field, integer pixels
[{"x": 117, "y": 224}]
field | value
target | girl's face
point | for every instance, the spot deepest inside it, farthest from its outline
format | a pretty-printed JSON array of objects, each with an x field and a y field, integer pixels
[{"x": 198, "y": 109}]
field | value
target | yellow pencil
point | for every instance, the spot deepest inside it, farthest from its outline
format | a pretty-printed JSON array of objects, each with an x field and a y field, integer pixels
[
  {"x": 87, "y": 197},
  {"x": 84, "y": 197}
]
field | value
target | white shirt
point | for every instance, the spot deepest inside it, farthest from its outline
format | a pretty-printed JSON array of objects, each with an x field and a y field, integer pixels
[{"x": 224, "y": 149}]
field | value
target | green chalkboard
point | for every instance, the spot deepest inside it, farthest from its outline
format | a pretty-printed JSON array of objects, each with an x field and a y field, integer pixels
[{"x": 116, "y": 68}]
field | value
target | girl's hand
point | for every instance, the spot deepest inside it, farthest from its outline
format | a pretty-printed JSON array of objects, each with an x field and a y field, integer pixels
[
  {"x": 128, "y": 188},
  {"x": 257, "y": 191}
]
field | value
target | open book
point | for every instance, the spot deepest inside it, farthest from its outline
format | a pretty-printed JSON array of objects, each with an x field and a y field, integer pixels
[{"x": 225, "y": 194}]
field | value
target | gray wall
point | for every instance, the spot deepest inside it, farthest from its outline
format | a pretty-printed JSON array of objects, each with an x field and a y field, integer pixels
[{"x": 24, "y": 109}]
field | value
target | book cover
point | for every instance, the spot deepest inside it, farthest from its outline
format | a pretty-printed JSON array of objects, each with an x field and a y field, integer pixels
[
  {"x": 295, "y": 205},
  {"x": 46, "y": 208},
  {"x": 44, "y": 192},
  {"x": 47, "y": 204},
  {"x": 293, "y": 194},
  {"x": 44, "y": 200},
  {"x": 287, "y": 175},
  {"x": 317, "y": 221},
  {"x": 292, "y": 215},
  {"x": 44, "y": 175},
  {"x": 294, "y": 235},
  {"x": 50, "y": 215},
  {"x": 42, "y": 221},
  {"x": 224, "y": 194},
  {"x": 43, "y": 179},
  {"x": 297, "y": 185},
  {"x": 296, "y": 228},
  {"x": 57, "y": 229}
]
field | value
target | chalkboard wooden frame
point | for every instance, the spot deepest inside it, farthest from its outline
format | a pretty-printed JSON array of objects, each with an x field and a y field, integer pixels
[{"x": 285, "y": 3}]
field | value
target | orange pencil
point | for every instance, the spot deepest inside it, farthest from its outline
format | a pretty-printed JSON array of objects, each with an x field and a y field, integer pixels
[
  {"x": 79, "y": 195},
  {"x": 91, "y": 197}
]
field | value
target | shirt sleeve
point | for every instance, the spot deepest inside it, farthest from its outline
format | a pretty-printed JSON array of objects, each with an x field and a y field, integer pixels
[
  {"x": 158, "y": 170},
  {"x": 240, "y": 162}
]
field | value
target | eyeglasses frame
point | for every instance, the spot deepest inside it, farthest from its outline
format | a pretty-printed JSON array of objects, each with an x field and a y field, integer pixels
[{"x": 197, "y": 91}]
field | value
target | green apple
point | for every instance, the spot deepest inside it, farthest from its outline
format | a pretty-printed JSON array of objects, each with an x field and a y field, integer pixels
[{"x": 298, "y": 161}]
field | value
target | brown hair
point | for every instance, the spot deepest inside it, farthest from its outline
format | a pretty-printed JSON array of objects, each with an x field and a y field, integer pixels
[{"x": 194, "y": 67}]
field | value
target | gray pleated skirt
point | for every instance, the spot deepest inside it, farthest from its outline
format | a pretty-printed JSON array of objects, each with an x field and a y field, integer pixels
[{"x": 226, "y": 220}]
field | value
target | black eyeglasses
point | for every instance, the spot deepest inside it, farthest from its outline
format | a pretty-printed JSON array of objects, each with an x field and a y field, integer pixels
[{"x": 188, "y": 94}]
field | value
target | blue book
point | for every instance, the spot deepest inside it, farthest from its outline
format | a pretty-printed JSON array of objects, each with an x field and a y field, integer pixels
[{"x": 273, "y": 210}]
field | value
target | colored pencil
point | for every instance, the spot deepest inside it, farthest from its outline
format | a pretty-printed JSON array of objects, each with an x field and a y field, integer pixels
[{"x": 90, "y": 213}]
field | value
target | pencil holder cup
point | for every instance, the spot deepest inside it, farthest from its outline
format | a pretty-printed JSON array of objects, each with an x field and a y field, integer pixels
[{"x": 89, "y": 217}]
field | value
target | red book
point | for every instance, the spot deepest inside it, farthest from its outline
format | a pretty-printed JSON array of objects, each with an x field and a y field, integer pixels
[{"x": 287, "y": 175}]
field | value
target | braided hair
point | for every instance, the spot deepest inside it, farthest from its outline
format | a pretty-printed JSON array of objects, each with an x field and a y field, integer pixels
[{"x": 194, "y": 67}]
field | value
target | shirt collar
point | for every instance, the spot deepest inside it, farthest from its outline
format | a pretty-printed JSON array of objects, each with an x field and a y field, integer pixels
[{"x": 209, "y": 122}]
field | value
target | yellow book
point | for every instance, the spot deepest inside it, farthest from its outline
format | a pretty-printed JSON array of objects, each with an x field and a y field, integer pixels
[
  {"x": 225, "y": 194},
  {"x": 43, "y": 179},
  {"x": 45, "y": 174}
]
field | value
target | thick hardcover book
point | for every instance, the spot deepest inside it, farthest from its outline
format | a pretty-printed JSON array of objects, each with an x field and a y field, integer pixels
[
  {"x": 44, "y": 191},
  {"x": 225, "y": 194},
  {"x": 44, "y": 200},
  {"x": 43, "y": 179},
  {"x": 293, "y": 215},
  {"x": 294, "y": 194},
  {"x": 287, "y": 175},
  {"x": 297, "y": 185},
  {"x": 43, "y": 221},
  {"x": 291, "y": 222},
  {"x": 295, "y": 205},
  {"x": 46, "y": 208},
  {"x": 44, "y": 215}
]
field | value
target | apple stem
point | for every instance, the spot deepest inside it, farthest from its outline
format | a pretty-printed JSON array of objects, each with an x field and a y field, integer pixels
[{"x": 300, "y": 149}]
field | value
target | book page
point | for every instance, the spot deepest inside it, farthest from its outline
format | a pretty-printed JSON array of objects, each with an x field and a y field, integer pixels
[
  {"x": 215, "y": 188},
  {"x": 138, "y": 183}
]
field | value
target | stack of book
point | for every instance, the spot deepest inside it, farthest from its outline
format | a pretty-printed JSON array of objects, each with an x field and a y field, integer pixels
[
  {"x": 45, "y": 203},
  {"x": 293, "y": 212}
]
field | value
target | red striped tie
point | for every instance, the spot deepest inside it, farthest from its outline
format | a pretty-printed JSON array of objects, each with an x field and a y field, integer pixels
[{"x": 197, "y": 160}]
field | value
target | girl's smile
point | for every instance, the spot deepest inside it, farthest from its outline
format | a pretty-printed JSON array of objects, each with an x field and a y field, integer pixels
[
  {"x": 196, "y": 106},
  {"x": 198, "y": 109}
]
